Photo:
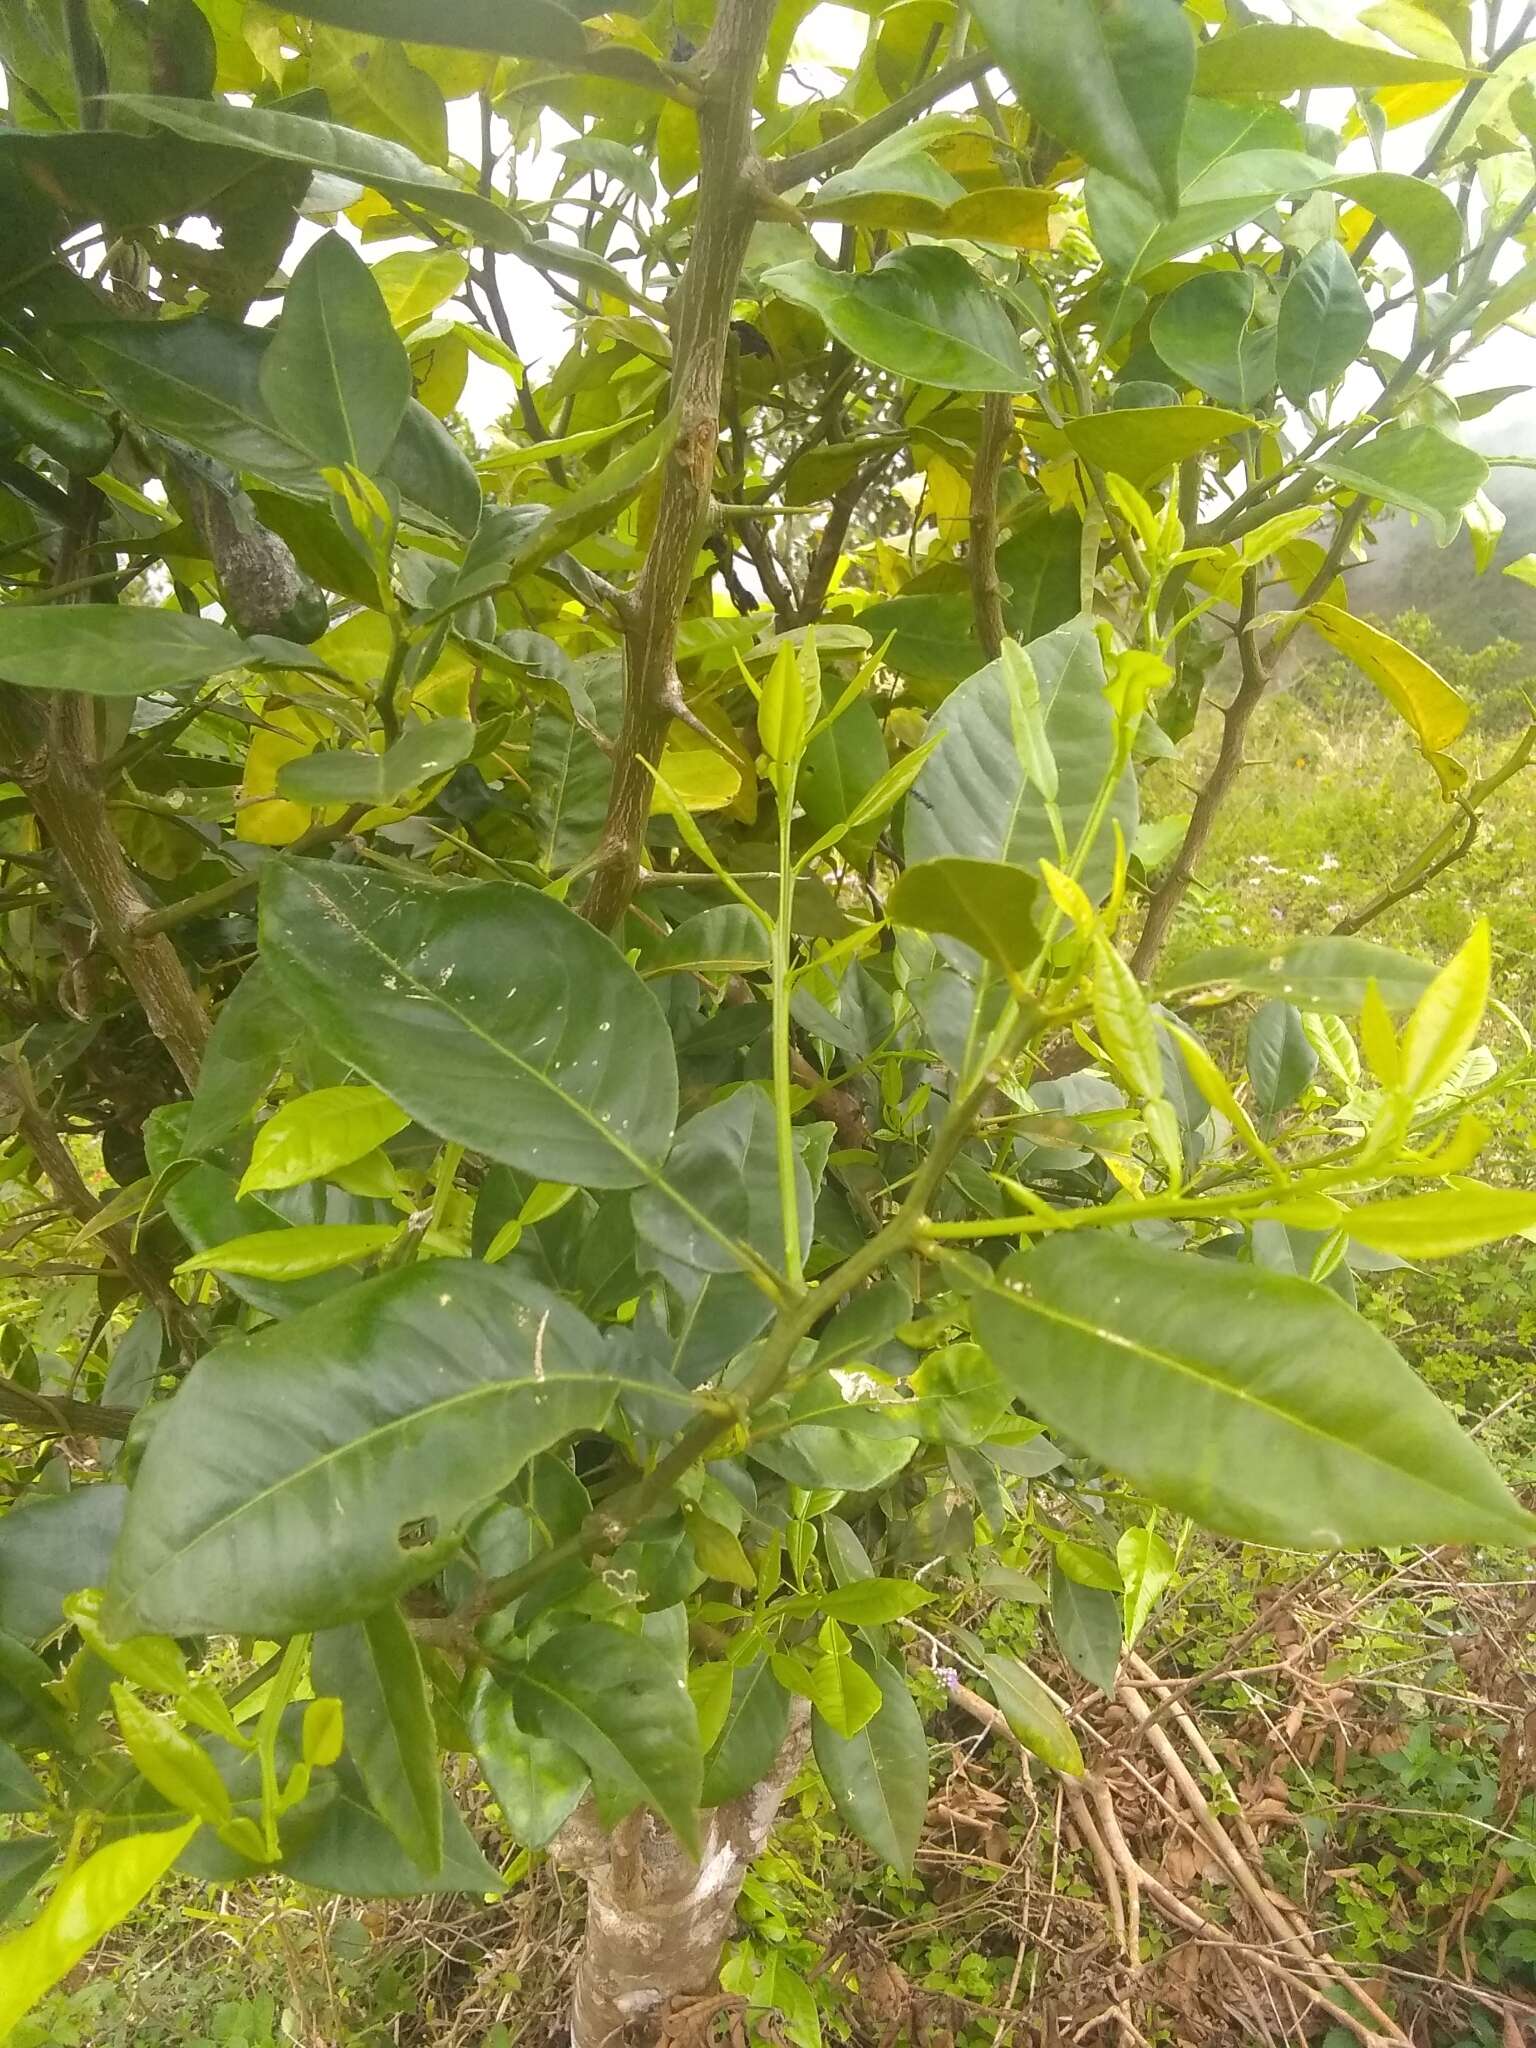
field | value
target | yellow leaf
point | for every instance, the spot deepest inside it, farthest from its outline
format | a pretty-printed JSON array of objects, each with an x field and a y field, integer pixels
[
  {"x": 698, "y": 775},
  {"x": 1017, "y": 216},
  {"x": 1437, "y": 713},
  {"x": 262, "y": 817}
]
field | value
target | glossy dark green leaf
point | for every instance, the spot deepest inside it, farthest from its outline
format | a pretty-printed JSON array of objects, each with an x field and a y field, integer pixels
[
  {"x": 1280, "y": 1058},
  {"x": 307, "y": 1474},
  {"x": 19, "y": 1790},
  {"x": 821, "y": 1438},
  {"x": 988, "y": 905},
  {"x": 1418, "y": 469},
  {"x": 549, "y": 29},
  {"x": 252, "y": 1035},
  {"x": 616, "y": 1700},
  {"x": 52, "y": 1548},
  {"x": 538, "y": 1784},
  {"x": 931, "y": 635},
  {"x": 1207, "y": 333},
  {"x": 112, "y": 650},
  {"x": 756, "y": 1723},
  {"x": 972, "y": 797},
  {"x": 922, "y": 313},
  {"x": 53, "y": 419},
  {"x": 336, "y": 376},
  {"x": 496, "y": 1016},
  {"x": 199, "y": 380},
  {"x": 350, "y": 1850},
  {"x": 1262, "y": 1406},
  {"x": 722, "y": 1183},
  {"x": 1324, "y": 322},
  {"x": 1086, "y": 1620},
  {"x": 878, "y": 1778},
  {"x": 1315, "y": 974},
  {"x": 373, "y": 1668},
  {"x": 726, "y": 939},
  {"x": 570, "y": 776},
  {"x": 23, "y": 1859},
  {"x": 1111, "y": 82},
  {"x": 389, "y": 167},
  {"x": 859, "y": 1330},
  {"x": 840, "y": 766}
]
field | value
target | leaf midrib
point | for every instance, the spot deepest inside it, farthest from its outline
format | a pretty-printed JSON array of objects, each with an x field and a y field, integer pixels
[{"x": 1032, "y": 1304}]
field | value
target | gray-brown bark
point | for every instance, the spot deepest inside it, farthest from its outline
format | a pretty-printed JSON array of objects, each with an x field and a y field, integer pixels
[{"x": 656, "y": 1920}]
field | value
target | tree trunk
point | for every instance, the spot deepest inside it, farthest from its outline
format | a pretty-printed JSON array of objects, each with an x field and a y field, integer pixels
[{"x": 656, "y": 1920}]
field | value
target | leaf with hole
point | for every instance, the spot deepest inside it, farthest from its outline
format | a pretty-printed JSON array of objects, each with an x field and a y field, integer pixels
[{"x": 308, "y": 1473}]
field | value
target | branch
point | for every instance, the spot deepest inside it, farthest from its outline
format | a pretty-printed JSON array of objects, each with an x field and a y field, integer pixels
[
  {"x": 726, "y": 73},
  {"x": 848, "y": 147},
  {"x": 1229, "y": 757},
  {"x": 1448, "y": 846},
  {"x": 986, "y": 590},
  {"x": 59, "y": 1415},
  {"x": 55, "y": 765}
]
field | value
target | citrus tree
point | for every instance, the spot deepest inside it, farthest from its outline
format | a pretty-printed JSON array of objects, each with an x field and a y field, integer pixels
[{"x": 612, "y": 961}]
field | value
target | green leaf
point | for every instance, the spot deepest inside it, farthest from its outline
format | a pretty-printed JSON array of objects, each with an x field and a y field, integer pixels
[
  {"x": 821, "y": 1438},
  {"x": 389, "y": 167},
  {"x": 550, "y": 29},
  {"x": 1087, "y": 1565},
  {"x": 722, "y": 1189},
  {"x": 1445, "y": 1023},
  {"x": 108, "y": 650},
  {"x": 1280, "y": 1059},
  {"x": 199, "y": 380},
  {"x": 495, "y": 1016},
  {"x": 1207, "y": 334},
  {"x": 314, "y": 1134},
  {"x": 1314, "y": 974},
  {"x": 987, "y": 904},
  {"x": 973, "y": 797},
  {"x": 1032, "y": 1714},
  {"x": 538, "y": 1784},
  {"x": 1276, "y": 59},
  {"x": 1419, "y": 216},
  {"x": 1324, "y": 322},
  {"x": 54, "y": 419},
  {"x": 838, "y": 1687},
  {"x": 878, "y": 1777},
  {"x": 421, "y": 754},
  {"x": 52, "y": 1548},
  {"x": 252, "y": 1036},
  {"x": 726, "y": 939},
  {"x": 180, "y": 1769},
  {"x": 1111, "y": 82},
  {"x": 756, "y": 1723},
  {"x": 1260, "y": 1405},
  {"x": 296, "y": 1253},
  {"x": 336, "y": 376},
  {"x": 23, "y": 1859},
  {"x": 843, "y": 763},
  {"x": 1086, "y": 1620},
  {"x": 1146, "y": 1568},
  {"x": 617, "y": 1702},
  {"x": 19, "y": 1790},
  {"x": 957, "y": 1397},
  {"x": 1143, "y": 442},
  {"x": 84, "y": 1906},
  {"x": 1418, "y": 693},
  {"x": 307, "y": 1474},
  {"x": 1441, "y": 1224},
  {"x": 373, "y": 1668},
  {"x": 921, "y": 313},
  {"x": 1123, "y": 1019},
  {"x": 1417, "y": 468},
  {"x": 867, "y": 1603}
]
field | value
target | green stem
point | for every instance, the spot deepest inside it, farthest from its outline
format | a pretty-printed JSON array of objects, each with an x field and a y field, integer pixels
[{"x": 783, "y": 1101}]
